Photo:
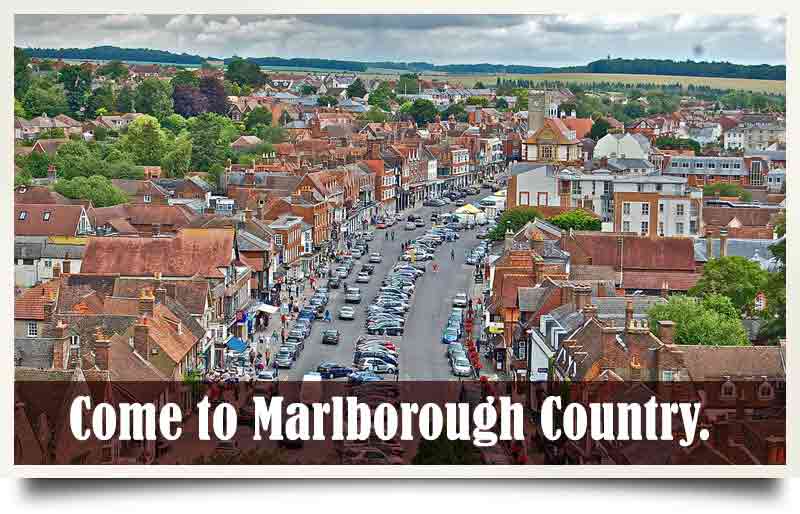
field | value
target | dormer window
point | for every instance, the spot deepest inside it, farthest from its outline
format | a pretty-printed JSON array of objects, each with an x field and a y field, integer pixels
[
  {"x": 728, "y": 391},
  {"x": 23, "y": 215},
  {"x": 74, "y": 341},
  {"x": 765, "y": 391},
  {"x": 46, "y": 216},
  {"x": 147, "y": 198}
]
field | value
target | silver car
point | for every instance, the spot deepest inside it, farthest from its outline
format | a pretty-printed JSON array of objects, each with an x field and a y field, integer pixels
[
  {"x": 346, "y": 312},
  {"x": 461, "y": 367}
]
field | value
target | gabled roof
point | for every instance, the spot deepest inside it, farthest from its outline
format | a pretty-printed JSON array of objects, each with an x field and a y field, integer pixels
[
  {"x": 190, "y": 252},
  {"x": 47, "y": 219}
]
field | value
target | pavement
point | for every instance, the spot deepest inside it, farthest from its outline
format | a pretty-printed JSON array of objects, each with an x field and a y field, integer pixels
[{"x": 421, "y": 351}]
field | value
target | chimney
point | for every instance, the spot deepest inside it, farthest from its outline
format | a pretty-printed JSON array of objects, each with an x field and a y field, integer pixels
[
  {"x": 156, "y": 229},
  {"x": 709, "y": 247},
  {"x": 664, "y": 289},
  {"x": 618, "y": 260},
  {"x": 51, "y": 172},
  {"x": 509, "y": 242},
  {"x": 60, "y": 346},
  {"x": 141, "y": 338},
  {"x": 56, "y": 270},
  {"x": 628, "y": 314},
  {"x": 161, "y": 294},
  {"x": 102, "y": 350},
  {"x": 297, "y": 198},
  {"x": 666, "y": 332},
  {"x": 723, "y": 243},
  {"x": 146, "y": 302},
  {"x": 589, "y": 312},
  {"x": 583, "y": 296},
  {"x": 67, "y": 265},
  {"x": 537, "y": 243},
  {"x": 49, "y": 307},
  {"x": 248, "y": 215}
]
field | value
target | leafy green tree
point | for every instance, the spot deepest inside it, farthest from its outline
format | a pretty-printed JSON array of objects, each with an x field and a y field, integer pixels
[
  {"x": 145, "y": 141},
  {"x": 599, "y": 129},
  {"x": 114, "y": 70},
  {"x": 22, "y": 178},
  {"x": 478, "y": 100},
  {"x": 126, "y": 100},
  {"x": 307, "y": 90},
  {"x": 501, "y": 103},
  {"x": 185, "y": 78},
  {"x": 47, "y": 100},
  {"x": 215, "y": 172},
  {"x": 722, "y": 189},
  {"x": 210, "y": 135},
  {"x": 75, "y": 159},
  {"x": 245, "y": 73},
  {"x": 514, "y": 219},
  {"x": 373, "y": 115},
  {"x": 457, "y": 111},
  {"x": 735, "y": 277},
  {"x": 178, "y": 160},
  {"x": 701, "y": 322},
  {"x": 408, "y": 84},
  {"x": 175, "y": 123},
  {"x": 98, "y": 189},
  {"x": 356, "y": 89},
  {"x": 423, "y": 111},
  {"x": 77, "y": 82},
  {"x": 100, "y": 100},
  {"x": 327, "y": 101},
  {"x": 576, "y": 219},
  {"x": 479, "y": 85},
  {"x": 19, "y": 110},
  {"x": 270, "y": 134},
  {"x": 52, "y": 133},
  {"x": 443, "y": 451},
  {"x": 154, "y": 97},
  {"x": 382, "y": 96},
  {"x": 35, "y": 164},
  {"x": 22, "y": 73},
  {"x": 674, "y": 143},
  {"x": 258, "y": 116}
]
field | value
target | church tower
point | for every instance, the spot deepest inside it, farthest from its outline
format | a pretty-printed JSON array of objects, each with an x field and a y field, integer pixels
[{"x": 538, "y": 107}]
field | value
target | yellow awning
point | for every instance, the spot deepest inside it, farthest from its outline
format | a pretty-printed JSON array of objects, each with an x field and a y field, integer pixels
[
  {"x": 67, "y": 240},
  {"x": 468, "y": 209}
]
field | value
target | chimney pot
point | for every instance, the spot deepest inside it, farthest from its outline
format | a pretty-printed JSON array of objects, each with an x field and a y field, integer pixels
[
  {"x": 666, "y": 332},
  {"x": 141, "y": 338}
]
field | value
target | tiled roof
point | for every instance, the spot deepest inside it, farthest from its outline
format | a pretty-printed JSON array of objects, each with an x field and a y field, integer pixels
[
  {"x": 46, "y": 219},
  {"x": 706, "y": 362},
  {"x": 653, "y": 280},
  {"x": 30, "y": 304},
  {"x": 191, "y": 252}
]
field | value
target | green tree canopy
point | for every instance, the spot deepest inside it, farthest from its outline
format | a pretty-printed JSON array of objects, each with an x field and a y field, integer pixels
[
  {"x": 423, "y": 111},
  {"x": 478, "y": 100},
  {"x": 258, "y": 116},
  {"x": 307, "y": 90},
  {"x": 178, "y": 159},
  {"x": 77, "y": 82},
  {"x": 709, "y": 321},
  {"x": 723, "y": 189},
  {"x": 408, "y": 84},
  {"x": 675, "y": 143},
  {"x": 245, "y": 73},
  {"x": 145, "y": 141},
  {"x": 327, "y": 101},
  {"x": 175, "y": 123},
  {"x": 114, "y": 70},
  {"x": 514, "y": 219},
  {"x": 101, "y": 98},
  {"x": 576, "y": 219},
  {"x": 126, "y": 100},
  {"x": 374, "y": 115},
  {"x": 22, "y": 73},
  {"x": 210, "y": 135},
  {"x": 382, "y": 96},
  {"x": 154, "y": 97},
  {"x": 48, "y": 100},
  {"x": 98, "y": 189},
  {"x": 599, "y": 129},
  {"x": 356, "y": 89},
  {"x": 735, "y": 277},
  {"x": 185, "y": 78}
]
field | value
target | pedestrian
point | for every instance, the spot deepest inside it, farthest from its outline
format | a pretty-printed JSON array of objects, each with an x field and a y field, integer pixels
[
  {"x": 327, "y": 316},
  {"x": 393, "y": 235},
  {"x": 387, "y": 236},
  {"x": 452, "y": 254},
  {"x": 283, "y": 320},
  {"x": 283, "y": 336}
]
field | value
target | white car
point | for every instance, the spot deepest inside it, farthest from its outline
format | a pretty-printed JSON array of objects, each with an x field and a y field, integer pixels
[
  {"x": 362, "y": 278},
  {"x": 375, "y": 257},
  {"x": 376, "y": 366},
  {"x": 460, "y": 300}
]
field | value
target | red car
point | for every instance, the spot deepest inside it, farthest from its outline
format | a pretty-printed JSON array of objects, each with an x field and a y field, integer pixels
[{"x": 381, "y": 225}]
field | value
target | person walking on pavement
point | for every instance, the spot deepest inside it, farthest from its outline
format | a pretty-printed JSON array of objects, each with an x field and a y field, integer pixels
[
  {"x": 392, "y": 235},
  {"x": 452, "y": 254},
  {"x": 387, "y": 235}
]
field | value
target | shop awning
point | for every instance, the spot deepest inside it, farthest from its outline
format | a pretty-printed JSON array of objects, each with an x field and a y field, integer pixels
[
  {"x": 495, "y": 327},
  {"x": 236, "y": 344},
  {"x": 269, "y": 309},
  {"x": 468, "y": 209}
]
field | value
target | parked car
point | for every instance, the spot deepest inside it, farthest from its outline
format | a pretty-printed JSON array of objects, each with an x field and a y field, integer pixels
[
  {"x": 284, "y": 358},
  {"x": 334, "y": 282},
  {"x": 410, "y": 225},
  {"x": 333, "y": 370},
  {"x": 330, "y": 336},
  {"x": 461, "y": 367},
  {"x": 352, "y": 295},
  {"x": 359, "y": 377},
  {"x": 460, "y": 300},
  {"x": 375, "y": 257},
  {"x": 346, "y": 312},
  {"x": 376, "y": 366},
  {"x": 391, "y": 328},
  {"x": 450, "y": 335},
  {"x": 362, "y": 278}
]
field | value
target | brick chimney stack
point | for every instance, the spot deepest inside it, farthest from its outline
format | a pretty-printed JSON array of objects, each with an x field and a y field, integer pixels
[
  {"x": 49, "y": 307},
  {"x": 589, "y": 312},
  {"x": 146, "y": 302},
  {"x": 60, "y": 346},
  {"x": 141, "y": 338},
  {"x": 509, "y": 242},
  {"x": 723, "y": 243},
  {"x": 537, "y": 243},
  {"x": 56, "y": 270},
  {"x": 67, "y": 266},
  {"x": 583, "y": 296},
  {"x": 628, "y": 314},
  {"x": 618, "y": 260},
  {"x": 102, "y": 350},
  {"x": 248, "y": 215},
  {"x": 161, "y": 294},
  {"x": 666, "y": 332}
]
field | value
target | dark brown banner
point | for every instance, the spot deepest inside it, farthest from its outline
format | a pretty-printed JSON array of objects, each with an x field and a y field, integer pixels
[{"x": 400, "y": 422}]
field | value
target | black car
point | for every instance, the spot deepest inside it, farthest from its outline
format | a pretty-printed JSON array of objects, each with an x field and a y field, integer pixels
[
  {"x": 330, "y": 336},
  {"x": 369, "y": 269},
  {"x": 385, "y": 328},
  {"x": 333, "y": 370},
  {"x": 334, "y": 283}
]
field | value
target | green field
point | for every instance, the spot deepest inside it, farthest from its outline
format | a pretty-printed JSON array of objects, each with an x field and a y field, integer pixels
[{"x": 760, "y": 86}]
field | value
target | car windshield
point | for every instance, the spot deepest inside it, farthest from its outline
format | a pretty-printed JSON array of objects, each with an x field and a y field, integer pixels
[
  {"x": 331, "y": 332},
  {"x": 462, "y": 362}
]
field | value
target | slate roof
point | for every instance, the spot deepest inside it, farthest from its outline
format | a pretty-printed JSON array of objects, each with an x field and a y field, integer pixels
[{"x": 706, "y": 362}]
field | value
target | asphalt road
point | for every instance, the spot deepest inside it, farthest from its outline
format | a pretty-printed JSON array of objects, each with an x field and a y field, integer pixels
[{"x": 421, "y": 351}]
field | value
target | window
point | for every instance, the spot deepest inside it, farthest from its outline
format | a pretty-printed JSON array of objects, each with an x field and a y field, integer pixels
[
  {"x": 23, "y": 215},
  {"x": 698, "y": 165},
  {"x": 639, "y": 188},
  {"x": 676, "y": 164},
  {"x": 606, "y": 188},
  {"x": 74, "y": 341},
  {"x": 48, "y": 263},
  {"x": 667, "y": 375},
  {"x": 685, "y": 164},
  {"x": 728, "y": 391},
  {"x": 645, "y": 228},
  {"x": 645, "y": 209},
  {"x": 737, "y": 165},
  {"x": 594, "y": 188},
  {"x": 546, "y": 152},
  {"x": 660, "y": 228},
  {"x": 33, "y": 329},
  {"x": 726, "y": 165},
  {"x": 660, "y": 207},
  {"x": 278, "y": 239},
  {"x": 524, "y": 198},
  {"x": 765, "y": 391},
  {"x": 46, "y": 216},
  {"x": 692, "y": 226},
  {"x": 659, "y": 187},
  {"x": 679, "y": 228},
  {"x": 712, "y": 165},
  {"x": 626, "y": 208},
  {"x": 626, "y": 226},
  {"x": 147, "y": 198},
  {"x": 680, "y": 209}
]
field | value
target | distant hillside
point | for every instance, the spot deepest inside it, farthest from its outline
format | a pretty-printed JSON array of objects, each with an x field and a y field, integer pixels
[{"x": 623, "y": 66}]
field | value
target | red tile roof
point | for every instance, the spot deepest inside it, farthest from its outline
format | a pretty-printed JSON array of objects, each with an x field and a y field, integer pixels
[{"x": 46, "y": 219}]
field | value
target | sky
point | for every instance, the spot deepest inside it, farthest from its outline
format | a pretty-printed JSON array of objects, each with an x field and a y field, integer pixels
[{"x": 537, "y": 40}]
